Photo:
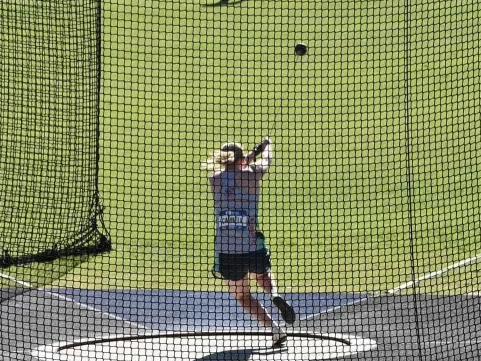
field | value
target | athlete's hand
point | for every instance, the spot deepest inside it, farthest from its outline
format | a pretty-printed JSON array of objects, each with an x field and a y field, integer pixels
[
  {"x": 267, "y": 140},
  {"x": 259, "y": 148}
]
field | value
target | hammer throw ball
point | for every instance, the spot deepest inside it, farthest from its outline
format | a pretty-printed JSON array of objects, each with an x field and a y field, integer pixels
[{"x": 301, "y": 49}]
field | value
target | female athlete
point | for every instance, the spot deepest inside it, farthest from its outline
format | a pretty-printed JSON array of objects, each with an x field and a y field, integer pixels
[{"x": 241, "y": 250}]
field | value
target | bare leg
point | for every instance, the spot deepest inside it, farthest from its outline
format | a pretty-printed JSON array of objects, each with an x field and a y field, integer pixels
[
  {"x": 241, "y": 291},
  {"x": 267, "y": 282}
]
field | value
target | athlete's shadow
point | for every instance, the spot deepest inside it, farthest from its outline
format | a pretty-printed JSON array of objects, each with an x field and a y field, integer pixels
[
  {"x": 238, "y": 355},
  {"x": 222, "y": 3}
]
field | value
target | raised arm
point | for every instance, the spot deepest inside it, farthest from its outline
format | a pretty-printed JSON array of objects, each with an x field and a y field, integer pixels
[{"x": 264, "y": 149}]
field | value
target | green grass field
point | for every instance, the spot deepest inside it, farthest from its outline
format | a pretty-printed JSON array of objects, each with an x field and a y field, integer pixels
[{"x": 181, "y": 78}]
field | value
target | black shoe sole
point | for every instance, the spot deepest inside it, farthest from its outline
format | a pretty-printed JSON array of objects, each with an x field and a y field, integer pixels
[{"x": 287, "y": 312}]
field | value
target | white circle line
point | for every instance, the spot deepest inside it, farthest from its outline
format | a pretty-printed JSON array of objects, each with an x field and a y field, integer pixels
[{"x": 60, "y": 351}]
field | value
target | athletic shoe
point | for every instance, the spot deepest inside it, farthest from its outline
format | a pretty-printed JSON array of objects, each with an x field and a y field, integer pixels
[
  {"x": 287, "y": 312},
  {"x": 279, "y": 338}
]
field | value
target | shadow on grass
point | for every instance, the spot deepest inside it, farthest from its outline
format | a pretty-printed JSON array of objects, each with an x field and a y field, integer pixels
[
  {"x": 17, "y": 280},
  {"x": 224, "y": 3}
]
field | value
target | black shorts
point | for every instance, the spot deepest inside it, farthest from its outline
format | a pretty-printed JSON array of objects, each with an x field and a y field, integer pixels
[{"x": 235, "y": 267}]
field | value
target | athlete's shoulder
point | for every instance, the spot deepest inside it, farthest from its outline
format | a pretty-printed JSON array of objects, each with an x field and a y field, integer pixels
[
  {"x": 216, "y": 177},
  {"x": 216, "y": 174}
]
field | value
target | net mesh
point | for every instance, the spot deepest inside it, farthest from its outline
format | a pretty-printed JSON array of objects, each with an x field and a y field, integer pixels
[
  {"x": 371, "y": 207},
  {"x": 49, "y": 123}
]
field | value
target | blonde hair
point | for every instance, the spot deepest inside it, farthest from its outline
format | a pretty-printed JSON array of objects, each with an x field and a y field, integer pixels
[{"x": 228, "y": 154}]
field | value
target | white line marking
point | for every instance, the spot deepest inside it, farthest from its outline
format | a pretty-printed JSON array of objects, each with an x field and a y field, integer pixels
[
  {"x": 10, "y": 278},
  {"x": 474, "y": 294},
  {"x": 396, "y": 290},
  {"x": 335, "y": 308},
  {"x": 468, "y": 342},
  {"x": 68, "y": 299},
  {"x": 465, "y": 262}
]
